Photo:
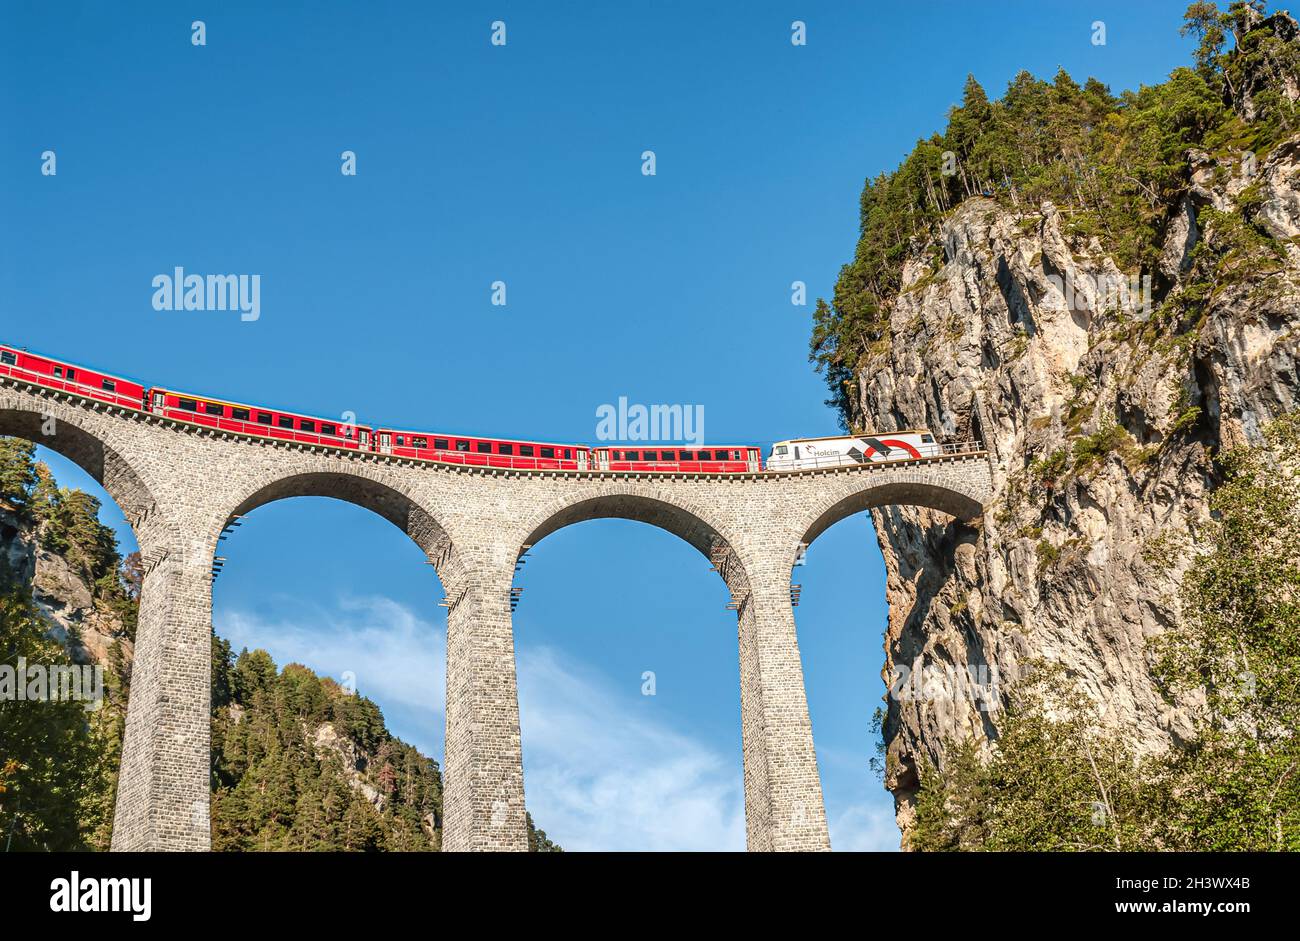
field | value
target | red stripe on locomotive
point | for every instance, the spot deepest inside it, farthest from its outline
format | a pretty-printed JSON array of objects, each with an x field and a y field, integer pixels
[{"x": 892, "y": 443}]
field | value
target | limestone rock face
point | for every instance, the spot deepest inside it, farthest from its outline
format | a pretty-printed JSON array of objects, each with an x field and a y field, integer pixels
[
  {"x": 63, "y": 595},
  {"x": 1101, "y": 431},
  {"x": 17, "y": 549}
]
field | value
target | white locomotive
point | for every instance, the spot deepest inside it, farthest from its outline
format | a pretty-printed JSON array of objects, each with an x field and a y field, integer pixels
[{"x": 799, "y": 453}]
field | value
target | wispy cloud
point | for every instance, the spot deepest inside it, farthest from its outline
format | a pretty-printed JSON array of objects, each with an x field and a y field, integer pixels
[
  {"x": 601, "y": 772},
  {"x": 866, "y": 827}
]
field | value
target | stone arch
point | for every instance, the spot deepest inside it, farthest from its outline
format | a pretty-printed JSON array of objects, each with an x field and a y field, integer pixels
[
  {"x": 98, "y": 451},
  {"x": 859, "y": 495},
  {"x": 384, "y": 498},
  {"x": 683, "y": 518}
]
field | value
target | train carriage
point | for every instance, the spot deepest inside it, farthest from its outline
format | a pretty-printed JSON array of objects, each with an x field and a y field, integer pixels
[
  {"x": 70, "y": 377},
  {"x": 255, "y": 420},
  {"x": 714, "y": 459},
  {"x": 482, "y": 452},
  {"x": 847, "y": 450}
]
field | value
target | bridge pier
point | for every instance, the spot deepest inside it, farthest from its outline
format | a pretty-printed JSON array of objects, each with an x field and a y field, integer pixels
[
  {"x": 483, "y": 772},
  {"x": 784, "y": 810},
  {"x": 162, "y": 790}
]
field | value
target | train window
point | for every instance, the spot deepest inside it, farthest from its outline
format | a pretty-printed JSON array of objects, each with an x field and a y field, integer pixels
[
  {"x": 927, "y": 439},
  {"x": 483, "y": 447},
  {"x": 651, "y": 456},
  {"x": 526, "y": 450},
  {"x": 264, "y": 418},
  {"x": 8, "y": 359},
  {"x": 401, "y": 441},
  {"x": 213, "y": 409},
  {"x": 329, "y": 429},
  {"x": 440, "y": 444},
  {"x": 305, "y": 425},
  {"x": 632, "y": 455},
  {"x": 505, "y": 449},
  {"x": 686, "y": 455},
  {"x": 782, "y": 449},
  {"x": 667, "y": 455},
  {"x": 108, "y": 385},
  {"x": 568, "y": 454},
  {"x": 239, "y": 414},
  {"x": 72, "y": 375},
  {"x": 58, "y": 372},
  {"x": 419, "y": 442},
  {"x": 189, "y": 405},
  {"x": 462, "y": 445},
  {"x": 705, "y": 455},
  {"x": 548, "y": 452},
  {"x": 284, "y": 421}
]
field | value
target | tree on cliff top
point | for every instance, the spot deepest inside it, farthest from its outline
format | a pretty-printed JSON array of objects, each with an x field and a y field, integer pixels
[{"x": 1115, "y": 163}]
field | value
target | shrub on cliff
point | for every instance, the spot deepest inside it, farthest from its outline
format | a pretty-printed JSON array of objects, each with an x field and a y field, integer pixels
[{"x": 1060, "y": 777}]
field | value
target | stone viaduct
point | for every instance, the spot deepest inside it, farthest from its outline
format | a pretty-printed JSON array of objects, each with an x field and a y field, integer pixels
[{"x": 180, "y": 485}]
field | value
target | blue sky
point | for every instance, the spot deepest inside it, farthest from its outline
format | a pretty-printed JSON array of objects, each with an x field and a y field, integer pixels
[{"x": 521, "y": 164}]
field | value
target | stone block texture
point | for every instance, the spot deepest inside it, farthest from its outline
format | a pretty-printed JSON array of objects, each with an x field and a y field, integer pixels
[{"x": 180, "y": 485}]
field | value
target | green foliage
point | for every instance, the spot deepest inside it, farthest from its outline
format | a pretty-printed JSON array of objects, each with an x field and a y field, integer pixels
[
  {"x": 1186, "y": 420},
  {"x": 299, "y": 763},
  {"x": 1239, "y": 782},
  {"x": 1060, "y": 778},
  {"x": 17, "y": 471},
  {"x": 1047, "y": 554},
  {"x": 55, "y": 792},
  {"x": 1052, "y": 467},
  {"x": 538, "y": 842},
  {"x": 1113, "y": 164},
  {"x": 1054, "y": 780},
  {"x": 1092, "y": 449}
]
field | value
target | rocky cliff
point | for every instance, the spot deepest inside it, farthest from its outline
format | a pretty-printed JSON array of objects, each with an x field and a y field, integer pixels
[
  {"x": 64, "y": 594},
  {"x": 1102, "y": 389}
]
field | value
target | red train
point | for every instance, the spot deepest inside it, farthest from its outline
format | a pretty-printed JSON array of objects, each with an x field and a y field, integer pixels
[
  {"x": 482, "y": 452},
  {"x": 253, "y": 420},
  {"x": 70, "y": 378},
  {"x": 246, "y": 419}
]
